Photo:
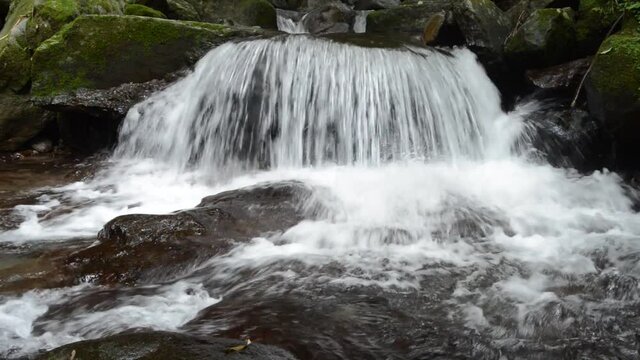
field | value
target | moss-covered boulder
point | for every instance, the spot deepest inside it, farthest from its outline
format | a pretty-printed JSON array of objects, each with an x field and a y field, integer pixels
[
  {"x": 102, "y": 51},
  {"x": 546, "y": 38},
  {"x": 242, "y": 12},
  {"x": 14, "y": 47},
  {"x": 484, "y": 26},
  {"x": 163, "y": 346},
  {"x": 20, "y": 121},
  {"x": 595, "y": 18},
  {"x": 613, "y": 92},
  {"x": 141, "y": 10},
  {"x": 410, "y": 18}
]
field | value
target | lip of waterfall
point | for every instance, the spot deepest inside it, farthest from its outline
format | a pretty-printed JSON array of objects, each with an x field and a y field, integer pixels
[{"x": 298, "y": 101}]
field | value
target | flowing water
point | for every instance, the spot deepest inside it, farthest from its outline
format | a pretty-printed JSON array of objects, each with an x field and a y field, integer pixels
[{"x": 443, "y": 237}]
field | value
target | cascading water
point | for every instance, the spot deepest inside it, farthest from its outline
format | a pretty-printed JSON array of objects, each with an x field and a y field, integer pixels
[{"x": 441, "y": 238}]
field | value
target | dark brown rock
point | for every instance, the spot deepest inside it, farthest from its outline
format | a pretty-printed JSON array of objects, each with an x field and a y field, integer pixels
[{"x": 563, "y": 76}]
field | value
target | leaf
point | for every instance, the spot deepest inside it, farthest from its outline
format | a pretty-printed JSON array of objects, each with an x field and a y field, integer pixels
[{"x": 604, "y": 52}]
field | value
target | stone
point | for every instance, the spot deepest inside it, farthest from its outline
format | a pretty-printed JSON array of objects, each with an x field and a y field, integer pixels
[
  {"x": 332, "y": 18},
  {"x": 136, "y": 249},
  {"x": 484, "y": 26},
  {"x": 595, "y": 18},
  {"x": 20, "y": 121},
  {"x": 141, "y": 10},
  {"x": 409, "y": 19},
  {"x": 242, "y": 12},
  {"x": 613, "y": 93},
  {"x": 161, "y": 345},
  {"x": 546, "y": 38},
  {"x": 375, "y": 4},
  {"x": 560, "y": 77},
  {"x": 286, "y": 4},
  {"x": 79, "y": 56}
]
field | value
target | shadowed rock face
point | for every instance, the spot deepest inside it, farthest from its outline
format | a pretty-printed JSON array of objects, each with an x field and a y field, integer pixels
[
  {"x": 140, "y": 248},
  {"x": 163, "y": 346}
]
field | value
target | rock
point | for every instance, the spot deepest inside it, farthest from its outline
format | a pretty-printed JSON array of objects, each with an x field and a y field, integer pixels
[
  {"x": 14, "y": 48},
  {"x": 43, "y": 146},
  {"x": 595, "y": 18},
  {"x": 432, "y": 28},
  {"x": 546, "y": 38},
  {"x": 49, "y": 16},
  {"x": 286, "y": 4},
  {"x": 141, "y": 10},
  {"x": 243, "y": 12},
  {"x": 375, "y": 4},
  {"x": 613, "y": 93},
  {"x": 79, "y": 56},
  {"x": 484, "y": 26},
  {"x": 505, "y": 5},
  {"x": 163, "y": 346},
  {"x": 139, "y": 248},
  {"x": 565, "y": 76},
  {"x": 409, "y": 19},
  {"x": 328, "y": 19},
  {"x": 20, "y": 121}
]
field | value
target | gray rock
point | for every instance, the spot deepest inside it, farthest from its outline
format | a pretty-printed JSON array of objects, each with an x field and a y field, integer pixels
[
  {"x": 563, "y": 76},
  {"x": 20, "y": 121}
]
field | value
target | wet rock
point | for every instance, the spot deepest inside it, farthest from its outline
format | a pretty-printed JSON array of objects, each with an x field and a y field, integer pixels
[
  {"x": 137, "y": 248},
  {"x": 163, "y": 346},
  {"x": 375, "y": 4},
  {"x": 244, "y": 12},
  {"x": 432, "y": 28},
  {"x": 613, "y": 93},
  {"x": 410, "y": 18},
  {"x": 20, "y": 121},
  {"x": 328, "y": 19},
  {"x": 484, "y": 26},
  {"x": 546, "y": 38},
  {"x": 151, "y": 48},
  {"x": 113, "y": 103},
  {"x": 42, "y": 146},
  {"x": 560, "y": 77}
]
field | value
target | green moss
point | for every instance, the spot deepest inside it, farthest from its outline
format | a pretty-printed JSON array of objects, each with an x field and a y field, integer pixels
[
  {"x": 616, "y": 71},
  {"x": 257, "y": 13},
  {"x": 20, "y": 11},
  {"x": 405, "y": 18},
  {"x": 595, "y": 18},
  {"x": 105, "y": 51},
  {"x": 546, "y": 38},
  {"x": 141, "y": 10},
  {"x": 15, "y": 71}
]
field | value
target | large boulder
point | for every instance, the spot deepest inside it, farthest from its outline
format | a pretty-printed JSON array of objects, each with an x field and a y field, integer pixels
[
  {"x": 160, "y": 345},
  {"x": 242, "y": 12},
  {"x": 407, "y": 18},
  {"x": 484, "y": 26},
  {"x": 613, "y": 93},
  {"x": 140, "y": 248},
  {"x": 141, "y": 10},
  {"x": 595, "y": 18},
  {"x": 546, "y": 38},
  {"x": 80, "y": 55},
  {"x": 20, "y": 121}
]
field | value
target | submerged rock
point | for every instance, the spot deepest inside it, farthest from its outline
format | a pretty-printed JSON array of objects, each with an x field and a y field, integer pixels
[
  {"x": 163, "y": 346},
  {"x": 139, "y": 248},
  {"x": 546, "y": 38},
  {"x": 613, "y": 93}
]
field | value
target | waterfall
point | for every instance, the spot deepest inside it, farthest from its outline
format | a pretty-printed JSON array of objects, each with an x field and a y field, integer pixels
[
  {"x": 360, "y": 23},
  {"x": 287, "y": 23},
  {"x": 297, "y": 101}
]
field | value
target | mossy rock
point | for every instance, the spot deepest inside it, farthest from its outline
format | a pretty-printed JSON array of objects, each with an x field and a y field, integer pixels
[
  {"x": 613, "y": 87},
  {"x": 546, "y": 38},
  {"x": 243, "y": 12},
  {"x": 595, "y": 18},
  {"x": 484, "y": 26},
  {"x": 15, "y": 53},
  {"x": 409, "y": 19},
  {"x": 49, "y": 16},
  {"x": 141, "y": 10},
  {"x": 20, "y": 121},
  {"x": 103, "y": 51}
]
